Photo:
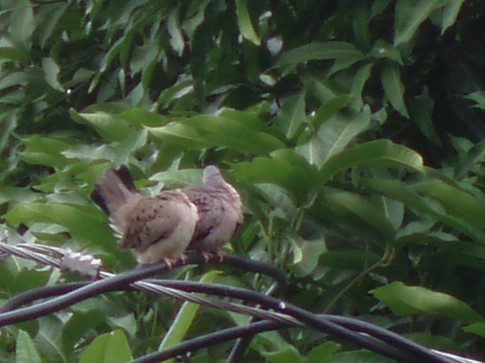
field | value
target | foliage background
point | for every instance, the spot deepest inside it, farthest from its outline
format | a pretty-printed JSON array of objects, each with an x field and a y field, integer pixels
[{"x": 353, "y": 129}]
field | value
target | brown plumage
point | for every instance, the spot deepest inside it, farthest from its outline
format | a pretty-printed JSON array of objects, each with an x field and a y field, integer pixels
[
  {"x": 219, "y": 208},
  {"x": 157, "y": 228}
]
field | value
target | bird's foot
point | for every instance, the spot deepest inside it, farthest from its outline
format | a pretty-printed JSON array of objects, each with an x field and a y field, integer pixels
[{"x": 169, "y": 262}]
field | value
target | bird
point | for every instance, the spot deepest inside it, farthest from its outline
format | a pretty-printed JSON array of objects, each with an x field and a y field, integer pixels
[
  {"x": 156, "y": 228},
  {"x": 219, "y": 208}
]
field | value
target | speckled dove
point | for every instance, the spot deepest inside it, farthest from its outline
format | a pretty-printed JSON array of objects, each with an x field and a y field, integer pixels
[
  {"x": 220, "y": 211},
  {"x": 157, "y": 228}
]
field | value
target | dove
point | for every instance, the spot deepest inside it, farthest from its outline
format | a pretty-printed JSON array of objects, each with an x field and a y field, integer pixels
[
  {"x": 219, "y": 208},
  {"x": 157, "y": 228}
]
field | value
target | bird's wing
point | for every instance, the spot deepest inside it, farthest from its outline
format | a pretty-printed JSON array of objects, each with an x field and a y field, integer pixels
[{"x": 153, "y": 220}]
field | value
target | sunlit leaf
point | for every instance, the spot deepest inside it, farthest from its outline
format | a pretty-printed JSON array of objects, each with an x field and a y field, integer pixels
[
  {"x": 244, "y": 22},
  {"x": 476, "y": 328},
  {"x": 334, "y": 135}
]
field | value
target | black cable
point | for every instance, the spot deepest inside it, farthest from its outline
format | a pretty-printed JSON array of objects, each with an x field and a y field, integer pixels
[{"x": 322, "y": 321}]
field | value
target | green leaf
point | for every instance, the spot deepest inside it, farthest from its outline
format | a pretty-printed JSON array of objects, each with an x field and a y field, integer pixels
[
  {"x": 422, "y": 112},
  {"x": 397, "y": 190},
  {"x": 378, "y": 152},
  {"x": 478, "y": 97},
  {"x": 322, "y": 353},
  {"x": 330, "y": 108},
  {"x": 310, "y": 252},
  {"x": 22, "y": 23},
  {"x": 348, "y": 260},
  {"x": 286, "y": 169},
  {"x": 13, "y": 54},
  {"x": 410, "y": 14},
  {"x": 78, "y": 220},
  {"x": 25, "y": 351},
  {"x": 107, "y": 348},
  {"x": 334, "y": 135},
  {"x": 476, "y": 328},
  {"x": 360, "y": 356},
  {"x": 176, "y": 36},
  {"x": 409, "y": 300},
  {"x": 13, "y": 79},
  {"x": 44, "y": 150},
  {"x": 109, "y": 128},
  {"x": 383, "y": 49},
  {"x": 292, "y": 114},
  {"x": 322, "y": 51},
  {"x": 393, "y": 87},
  {"x": 207, "y": 130},
  {"x": 287, "y": 355},
  {"x": 449, "y": 13},
  {"x": 360, "y": 79},
  {"x": 474, "y": 157},
  {"x": 51, "y": 73},
  {"x": 456, "y": 202},
  {"x": 48, "y": 338},
  {"x": 79, "y": 325},
  {"x": 185, "y": 318},
  {"x": 244, "y": 22},
  {"x": 351, "y": 206}
]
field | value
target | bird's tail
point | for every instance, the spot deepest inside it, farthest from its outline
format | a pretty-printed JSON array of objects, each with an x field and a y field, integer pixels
[{"x": 114, "y": 189}]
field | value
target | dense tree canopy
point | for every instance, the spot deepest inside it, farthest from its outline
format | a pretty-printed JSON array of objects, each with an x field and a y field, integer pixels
[{"x": 353, "y": 130}]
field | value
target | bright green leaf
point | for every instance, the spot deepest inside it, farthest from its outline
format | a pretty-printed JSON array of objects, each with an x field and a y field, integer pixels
[
  {"x": 378, "y": 152},
  {"x": 79, "y": 221},
  {"x": 476, "y": 328},
  {"x": 51, "y": 73},
  {"x": 185, "y": 318},
  {"x": 25, "y": 349},
  {"x": 244, "y": 22},
  {"x": 409, "y": 300},
  {"x": 334, "y": 135},
  {"x": 330, "y": 108},
  {"x": 292, "y": 114},
  {"x": 450, "y": 12},
  {"x": 478, "y": 97},
  {"x": 107, "y": 348}
]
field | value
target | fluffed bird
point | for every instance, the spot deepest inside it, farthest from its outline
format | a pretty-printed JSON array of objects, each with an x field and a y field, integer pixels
[
  {"x": 220, "y": 210},
  {"x": 157, "y": 228}
]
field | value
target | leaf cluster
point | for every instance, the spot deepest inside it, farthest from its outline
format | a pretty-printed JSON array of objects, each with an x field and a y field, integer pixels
[{"x": 352, "y": 129}]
